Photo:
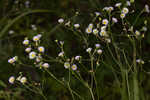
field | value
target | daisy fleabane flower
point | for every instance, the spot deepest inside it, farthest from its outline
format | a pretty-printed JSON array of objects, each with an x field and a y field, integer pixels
[
  {"x": 95, "y": 31},
  {"x": 99, "y": 51},
  {"x": 26, "y": 41},
  {"x": 122, "y": 15},
  {"x": 61, "y": 20},
  {"x": 88, "y": 30},
  {"x": 23, "y": 80},
  {"x": 11, "y": 80},
  {"x": 74, "y": 67},
  {"x": 105, "y": 22},
  {"x": 97, "y": 45},
  {"x": 41, "y": 49},
  {"x": 125, "y": 10},
  {"x": 118, "y": 4},
  {"x": 76, "y": 25},
  {"x": 61, "y": 54},
  {"x": 137, "y": 33},
  {"x": 12, "y": 60},
  {"x": 88, "y": 50},
  {"x": 114, "y": 20},
  {"x": 45, "y": 65},
  {"x": 140, "y": 61},
  {"x": 77, "y": 58},
  {"x": 66, "y": 65},
  {"x": 36, "y": 38},
  {"x": 32, "y": 55},
  {"x": 28, "y": 49}
]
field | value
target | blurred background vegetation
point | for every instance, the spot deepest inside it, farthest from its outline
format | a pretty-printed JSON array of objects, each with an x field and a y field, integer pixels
[{"x": 19, "y": 15}]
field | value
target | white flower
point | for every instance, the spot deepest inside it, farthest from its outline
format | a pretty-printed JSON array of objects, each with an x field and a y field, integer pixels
[
  {"x": 74, "y": 67},
  {"x": 147, "y": 9},
  {"x": 128, "y": 3},
  {"x": 61, "y": 54},
  {"x": 11, "y": 80},
  {"x": 66, "y": 65},
  {"x": 137, "y": 33},
  {"x": 114, "y": 20},
  {"x": 32, "y": 55},
  {"x": 45, "y": 65},
  {"x": 23, "y": 80},
  {"x": 28, "y": 49},
  {"x": 106, "y": 8},
  {"x": 122, "y": 15},
  {"x": 38, "y": 58},
  {"x": 39, "y": 35},
  {"x": 77, "y": 58},
  {"x": 36, "y": 38},
  {"x": 90, "y": 26},
  {"x": 103, "y": 28},
  {"x": 61, "y": 20},
  {"x": 97, "y": 45},
  {"x": 118, "y": 4},
  {"x": 99, "y": 51},
  {"x": 144, "y": 28},
  {"x": 108, "y": 40},
  {"x": 88, "y": 30},
  {"x": 103, "y": 33},
  {"x": 140, "y": 61},
  {"x": 88, "y": 50},
  {"x": 110, "y": 9},
  {"x": 95, "y": 31},
  {"x": 41, "y": 49},
  {"x": 125, "y": 10},
  {"x": 97, "y": 13},
  {"x": 26, "y": 42},
  {"x": 105, "y": 22},
  {"x": 76, "y": 25},
  {"x": 15, "y": 58},
  {"x": 11, "y": 61},
  {"x": 11, "y": 32}
]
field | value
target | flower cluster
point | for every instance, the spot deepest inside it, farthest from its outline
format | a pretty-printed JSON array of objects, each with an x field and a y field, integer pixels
[{"x": 21, "y": 79}]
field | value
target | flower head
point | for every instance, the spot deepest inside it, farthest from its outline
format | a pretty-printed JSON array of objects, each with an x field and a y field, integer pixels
[
  {"x": 28, "y": 49},
  {"x": 32, "y": 55},
  {"x": 99, "y": 51},
  {"x": 11, "y": 80},
  {"x": 95, "y": 31},
  {"x": 88, "y": 50},
  {"x": 26, "y": 42},
  {"x": 125, "y": 10},
  {"x": 77, "y": 58},
  {"x": 97, "y": 45},
  {"x": 114, "y": 20},
  {"x": 66, "y": 65},
  {"x": 76, "y": 25},
  {"x": 74, "y": 67},
  {"x": 45, "y": 65},
  {"x": 61, "y": 20},
  {"x": 88, "y": 30},
  {"x": 41, "y": 49},
  {"x": 105, "y": 22},
  {"x": 23, "y": 80},
  {"x": 118, "y": 4},
  {"x": 122, "y": 15},
  {"x": 61, "y": 54}
]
